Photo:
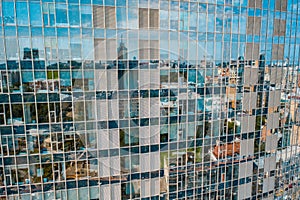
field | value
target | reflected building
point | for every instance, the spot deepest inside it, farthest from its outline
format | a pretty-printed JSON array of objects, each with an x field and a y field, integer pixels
[
  {"x": 122, "y": 51},
  {"x": 160, "y": 99},
  {"x": 31, "y": 53}
]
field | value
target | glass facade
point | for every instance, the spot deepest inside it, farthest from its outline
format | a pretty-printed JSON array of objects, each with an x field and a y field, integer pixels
[{"x": 149, "y": 99}]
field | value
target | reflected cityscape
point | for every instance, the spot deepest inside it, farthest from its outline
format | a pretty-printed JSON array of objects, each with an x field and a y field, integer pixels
[{"x": 157, "y": 99}]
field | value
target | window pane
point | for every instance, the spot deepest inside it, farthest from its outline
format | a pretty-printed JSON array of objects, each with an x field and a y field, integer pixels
[
  {"x": 35, "y": 14},
  {"x": 121, "y": 17},
  {"x": 86, "y": 16},
  {"x": 8, "y": 12},
  {"x": 74, "y": 18},
  {"x": 110, "y": 17},
  {"x": 22, "y": 13},
  {"x": 98, "y": 16},
  {"x": 61, "y": 14}
]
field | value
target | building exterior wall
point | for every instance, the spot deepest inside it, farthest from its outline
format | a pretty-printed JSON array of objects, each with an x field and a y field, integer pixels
[{"x": 158, "y": 99}]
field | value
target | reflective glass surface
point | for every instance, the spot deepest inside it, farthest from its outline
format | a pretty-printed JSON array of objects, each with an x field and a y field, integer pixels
[{"x": 149, "y": 99}]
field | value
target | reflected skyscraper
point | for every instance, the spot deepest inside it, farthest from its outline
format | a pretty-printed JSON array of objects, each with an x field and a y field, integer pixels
[
  {"x": 149, "y": 99},
  {"x": 122, "y": 51}
]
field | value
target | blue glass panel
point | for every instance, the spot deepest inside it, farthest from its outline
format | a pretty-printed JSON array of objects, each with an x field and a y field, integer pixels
[
  {"x": 61, "y": 14},
  {"x": 40, "y": 75},
  {"x": 74, "y": 18},
  {"x": 35, "y": 14},
  {"x": 99, "y": 33},
  {"x": 121, "y": 18},
  {"x": 109, "y": 2},
  {"x": 85, "y": 1},
  {"x": 10, "y": 31},
  {"x": 49, "y": 31},
  {"x": 22, "y": 13},
  {"x": 36, "y": 31},
  {"x": 46, "y": 19},
  {"x": 86, "y": 16},
  {"x": 121, "y": 3},
  {"x": 74, "y": 32},
  {"x": 98, "y": 2},
  {"x": 73, "y": 1},
  {"x": 8, "y": 12},
  {"x": 87, "y": 32},
  {"x": 27, "y": 76},
  {"x": 62, "y": 32}
]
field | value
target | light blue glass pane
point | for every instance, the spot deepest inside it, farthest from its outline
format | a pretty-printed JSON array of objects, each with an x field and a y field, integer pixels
[
  {"x": 74, "y": 32},
  {"x": 8, "y": 12},
  {"x": 23, "y": 31},
  {"x": 164, "y": 19},
  {"x": 87, "y": 32},
  {"x": 75, "y": 51},
  {"x": 74, "y": 17},
  {"x": 86, "y": 16},
  {"x": 12, "y": 51},
  {"x": 202, "y": 8},
  {"x": 174, "y": 5},
  {"x": 235, "y": 24},
  {"x": 76, "y": 74},
  {"x": 98, "y": 2},
  {"x": 61, "y": 14},
  {"x": 173, "y": 132},
  {"x": 133, "y": 3},
  {"x": 210, "y": 37},
  {"x": 35, "y": 14},
  {"x": 244, "y": 3},
  {"x": 88, "y": 74},
  {"x": 110, "y": 33},
  {"x": 22, "y": 13},
  {"x": 121, "y": 17},
  {"x": 219, "y": 23},
  {"x": 121, "y": 3},
  {"x": 211, "y": 23},
  {"x": 86, "y": 20},
  {"x": 49, "y": 32},
  {"x": 36, "y": 32},
  {"x": 211, "y": 9},
  {"x": 234, "y": 51},
  {"x": 193, "y": 21},
  {"x": 109, "y": 2},
  {"x": 62, "y": 32},
  {"x": 184, "y": 21},
  {"x": 73, "y": 1},
  {"x": 65, "y": 78},
  {"x": 87, "y": 49},
  {"x": 210, "y": 49},
  {"x": 27, "y": 76},
  {"x": 52, "y": 19},
  {"x": 40, "y": 75},
  {"x": 271, "y": 5},
  {"x": 202, "y": 22},
  {"x": 85, "y": 1},
  {"x": 99, "y": 33},
  {"x": 46, "y": 19},
  {"x": 10, "y": 31},
  {"x": 242, "y": 25},
  {"x": 289, "y": 5},
  {"x": 184, "y": 6},
  {"x": 219, "y": 50},
  {"x": 174, "y": 20},
  {"x": 132, "y": 18}
]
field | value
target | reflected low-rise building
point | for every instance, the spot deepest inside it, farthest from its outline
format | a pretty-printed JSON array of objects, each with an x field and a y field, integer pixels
[{"x": 159, "y": 99}]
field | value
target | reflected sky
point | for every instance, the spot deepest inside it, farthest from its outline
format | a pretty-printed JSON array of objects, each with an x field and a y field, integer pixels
[{"x": 206, "y": 19}]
